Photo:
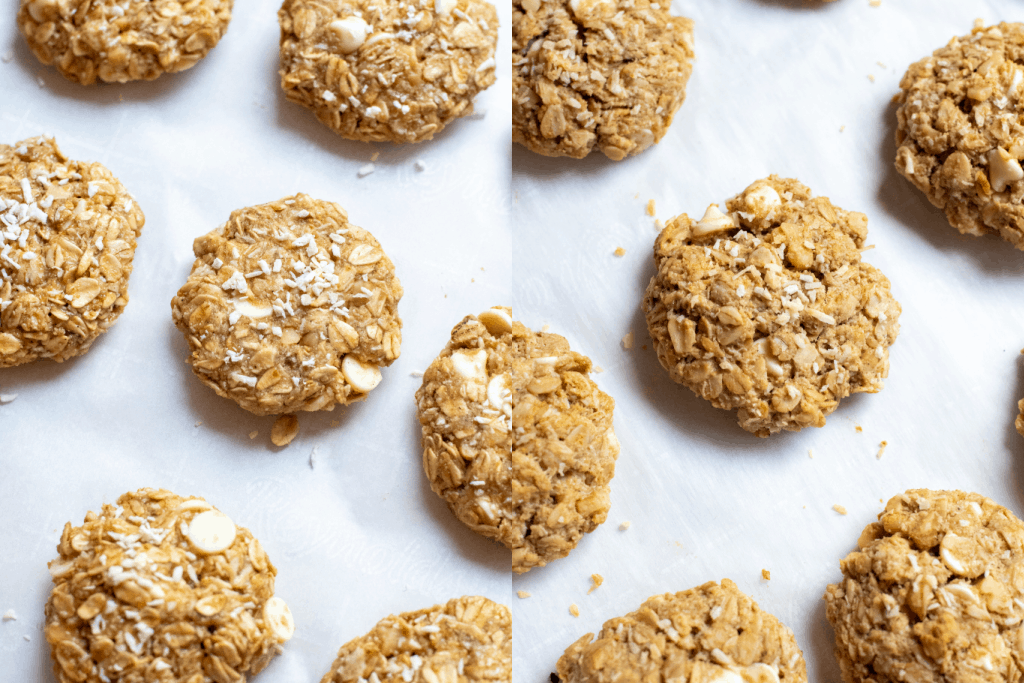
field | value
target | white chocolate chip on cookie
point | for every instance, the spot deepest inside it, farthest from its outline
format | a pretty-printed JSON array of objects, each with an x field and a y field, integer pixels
[
  {"x": 364, "y": 377},
  {"x": 211, "y": 532},
  {"x": 351, "y": 33},
  {"x": 279, "y": 618}
]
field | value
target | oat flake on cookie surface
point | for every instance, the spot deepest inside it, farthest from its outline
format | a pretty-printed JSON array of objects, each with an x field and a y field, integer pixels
[
  {"x": 517, "y": 439},
  {"x": 290, "y": 307},
  {"x": 160, "y": 587},
  {"x": 708, "y": 634},
  {"x": 466, "y": 640},
  {"x": 604, "y": 75},
  {"x": 122, "y": 40},
  {"x": 68, "y": 231},
  {"x": 768, "y": 309},
  {"x": 960, "y": 135},
  {"x": 933, "y": 595},
  {"x": 399, "y": 70}
]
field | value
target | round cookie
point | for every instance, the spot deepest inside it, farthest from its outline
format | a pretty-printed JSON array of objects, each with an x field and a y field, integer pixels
[
  {"x": 68, "y": 231},
  {"x": 960, "y": 136},
  {"x": 466, "y": 640},
  {"x": 709, "y": 634},
  {"x": 290, "y": 307},
  {"x": 517, "y": 439},
  {"x": 119, "y": 41},
  {"x": 596, "y": 74},
  {"x": 398, "y": 71},
  {"x": 933, "y": 593},
  {"x": 768, "y": 309},
  {"x": 160, "y": 587}
]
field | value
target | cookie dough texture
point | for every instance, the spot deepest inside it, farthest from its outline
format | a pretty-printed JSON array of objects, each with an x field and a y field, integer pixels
[
  {"x": 162, "y": 588},
  {"x": 960, "y": 136},
  {"x": 596, "y": 74},
  {"x": 398, "y": 71},
  {"x": 517, "y": 439},
  {"x": 122, "y": 40},
  {"x": 68, "y": 231},
  {"x": 709, "y": 634},
  {"x": 768, "y": 309},
  {"x": 290, "y": 307},
  {"x": 466, "y": 640},
  {"x": 934, "y": 593}
]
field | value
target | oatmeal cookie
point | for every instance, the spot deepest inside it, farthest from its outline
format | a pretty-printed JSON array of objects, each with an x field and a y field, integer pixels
[
  {"x": 709, "y": 634},
  {"x": 960, "y": 136},
  {"x": 768, "y": 309},
  {"x": 161, "y": 587},
  {"x": 122, "y": 40},
  {"x": 596, "y": 74},
  {"x": 933, "y": 594},
  {"x": 398, "y": 71},
  {"x": 67, "y": 240},
  {"x": 1019, "y": 423},
  {"x": 517, "y": 439},
  {"x": 290, "y": 307},
  {"x": 466, "y": 640}
]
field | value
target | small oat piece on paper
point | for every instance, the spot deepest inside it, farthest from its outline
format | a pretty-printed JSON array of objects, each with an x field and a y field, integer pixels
[
  {"x": 68, "y": 231},
  {"x": 466, "y": 640},
  {"x": 161, "y": 583},
  {"x": 768, "y": 309},
  {"x": 284, "y": 431}
]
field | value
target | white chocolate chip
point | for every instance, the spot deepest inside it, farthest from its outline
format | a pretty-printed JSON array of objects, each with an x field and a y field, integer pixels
[
  {"x": 278, "y": 618},
  {"x": 351, "y": 32},
  {"x": 247, "y": 308},
  {"x": 496, "y": 321},
  {"x": 471, "y": 365},
  {"x": 364, "y": 377},
  {"x": 1003, "y": 169},
  {"x": 497, "y": 391},
  {"x": 211, "y": 532},
  {"x": 723, "y": 675},
  {"x": 444, "y": 7},
  {"x": 762, "y": 200},
  {"x": 958, "y": 553},
  {"x": 761, "y": 673},
  {"x": 713, "y": 221}
]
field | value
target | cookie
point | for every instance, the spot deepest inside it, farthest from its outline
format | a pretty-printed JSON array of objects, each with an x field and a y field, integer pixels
[
  {"x": 466, "y": 640},
  {"x": 596, "y": 74},
  {"x": 960, "y": 136},
  {"x": 517, "y": 439},
  {"x": 67, "y": 241},
  {"x": 708, "y": 634},
  {"x": 290, "y": 307},
  {"x": 161, "y": 587},
  {"x": 119, "y": 41},
  {"x": 1019, "y": 423},
  {"x": 398, "y": 71},
  {"x": 768, "y": 309},
  {"x": 933, "y": 594}
]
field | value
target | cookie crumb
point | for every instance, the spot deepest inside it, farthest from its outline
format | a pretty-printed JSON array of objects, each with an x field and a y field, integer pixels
[
  {"x": 284, "y": 430},
  {"x": 335, "y": 423},
  {"x": 624, "y": 526},
  {"x": 375, "y": 156},
  {"x": 858, "y": 429},
  {"x": 522, "y": 595},
  {"x": 478, "y": 113},
  {"x": 810, "y": 454},
  {"x": 650, "y": 208},
  {"x": 766, "y": 575},
  {"x": 197, "y": 424},
  {"x": 28, "y": 638},
  {"x": 881, "y": 449},
  {"x": 7, "y": 398},
  {"x": 253, "y": 434},
  {"x": 842, "y": 128},
  {"x": 979, "y": 23},
  {"x": 9, "y": 615},
  {"x": 419, "y": 165},
  {"x": 415, "y": 373},
  {"x": 881, "y": 65},
  {"x": 839, "y": 508},
  {"x": 619, "y": 251},
  {"x": 597, "y": 368},
  {"x": 871, "y": 77},
  {"x": 365, "y": 170},
  {"x": 598, "y": 580},
  {"x": 875, "y": 3},
  {"x": 312, "y": 458},
  {"x": 627, "y": 341},
  {"x": 574, "y": 610}
]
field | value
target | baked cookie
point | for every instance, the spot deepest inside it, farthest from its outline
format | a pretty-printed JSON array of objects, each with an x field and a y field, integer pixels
[
  {"x": 466, "y": 640},
  {"x": 596, "y": 74},
  {"x": 1019, "y": 423},
  {"x": 517, "y": 439},
  {"x": 933, "y": 594},
  {"x": 290, "y": 307},
  {"x": 67, "y": 240},
  {"x": 160, "y": 587},
  {"x": 960, "y": 133},
  {"x": 122, "y": 40},
  {"x": 398, "y": 71},
  {"x": 768, "y": 309},
  {"x": 708, "y": 634}
]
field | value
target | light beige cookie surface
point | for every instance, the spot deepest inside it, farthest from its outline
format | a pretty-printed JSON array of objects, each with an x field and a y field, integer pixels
[
  {"x": 517, "y": 439},
  {"x": 768, "y": 309},
  {"x": 162, "y": 588},
  {"x": 68, "y": 231},
  {"x": 599, "y": 75},
  {"x": 119, "y": 41},
  {"x": 466, "y": 640},
  {"x": 960, "y": 134},
  {"x": 290, "y": 307},
  {"x": 933, "y": 594},
  {"x": 398, "y": 71},
  {"x": 708, "y": 634}
]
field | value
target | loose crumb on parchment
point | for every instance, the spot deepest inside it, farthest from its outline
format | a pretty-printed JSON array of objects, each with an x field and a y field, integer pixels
[{"x": 839, "y": 508}]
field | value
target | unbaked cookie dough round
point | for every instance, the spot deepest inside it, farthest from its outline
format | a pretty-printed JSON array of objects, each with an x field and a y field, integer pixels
[
  {"x": 934, "y": 593},
  {"x": 709, "y": 634},
  {"x": 466, "y": 640},
  {"x": 768, "y": 309},
  {"x": 960, "y": 136},
  {"x": 122, "y": 40},
  {"x": 517, "y": 439},
  {"x": 67, "y": 240},
  {"x": 596, "y": 74},
  {"x": 398, "y": 71},
  {"x": 290, "y": 307},
  {"x": 161, "y": 587}
]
